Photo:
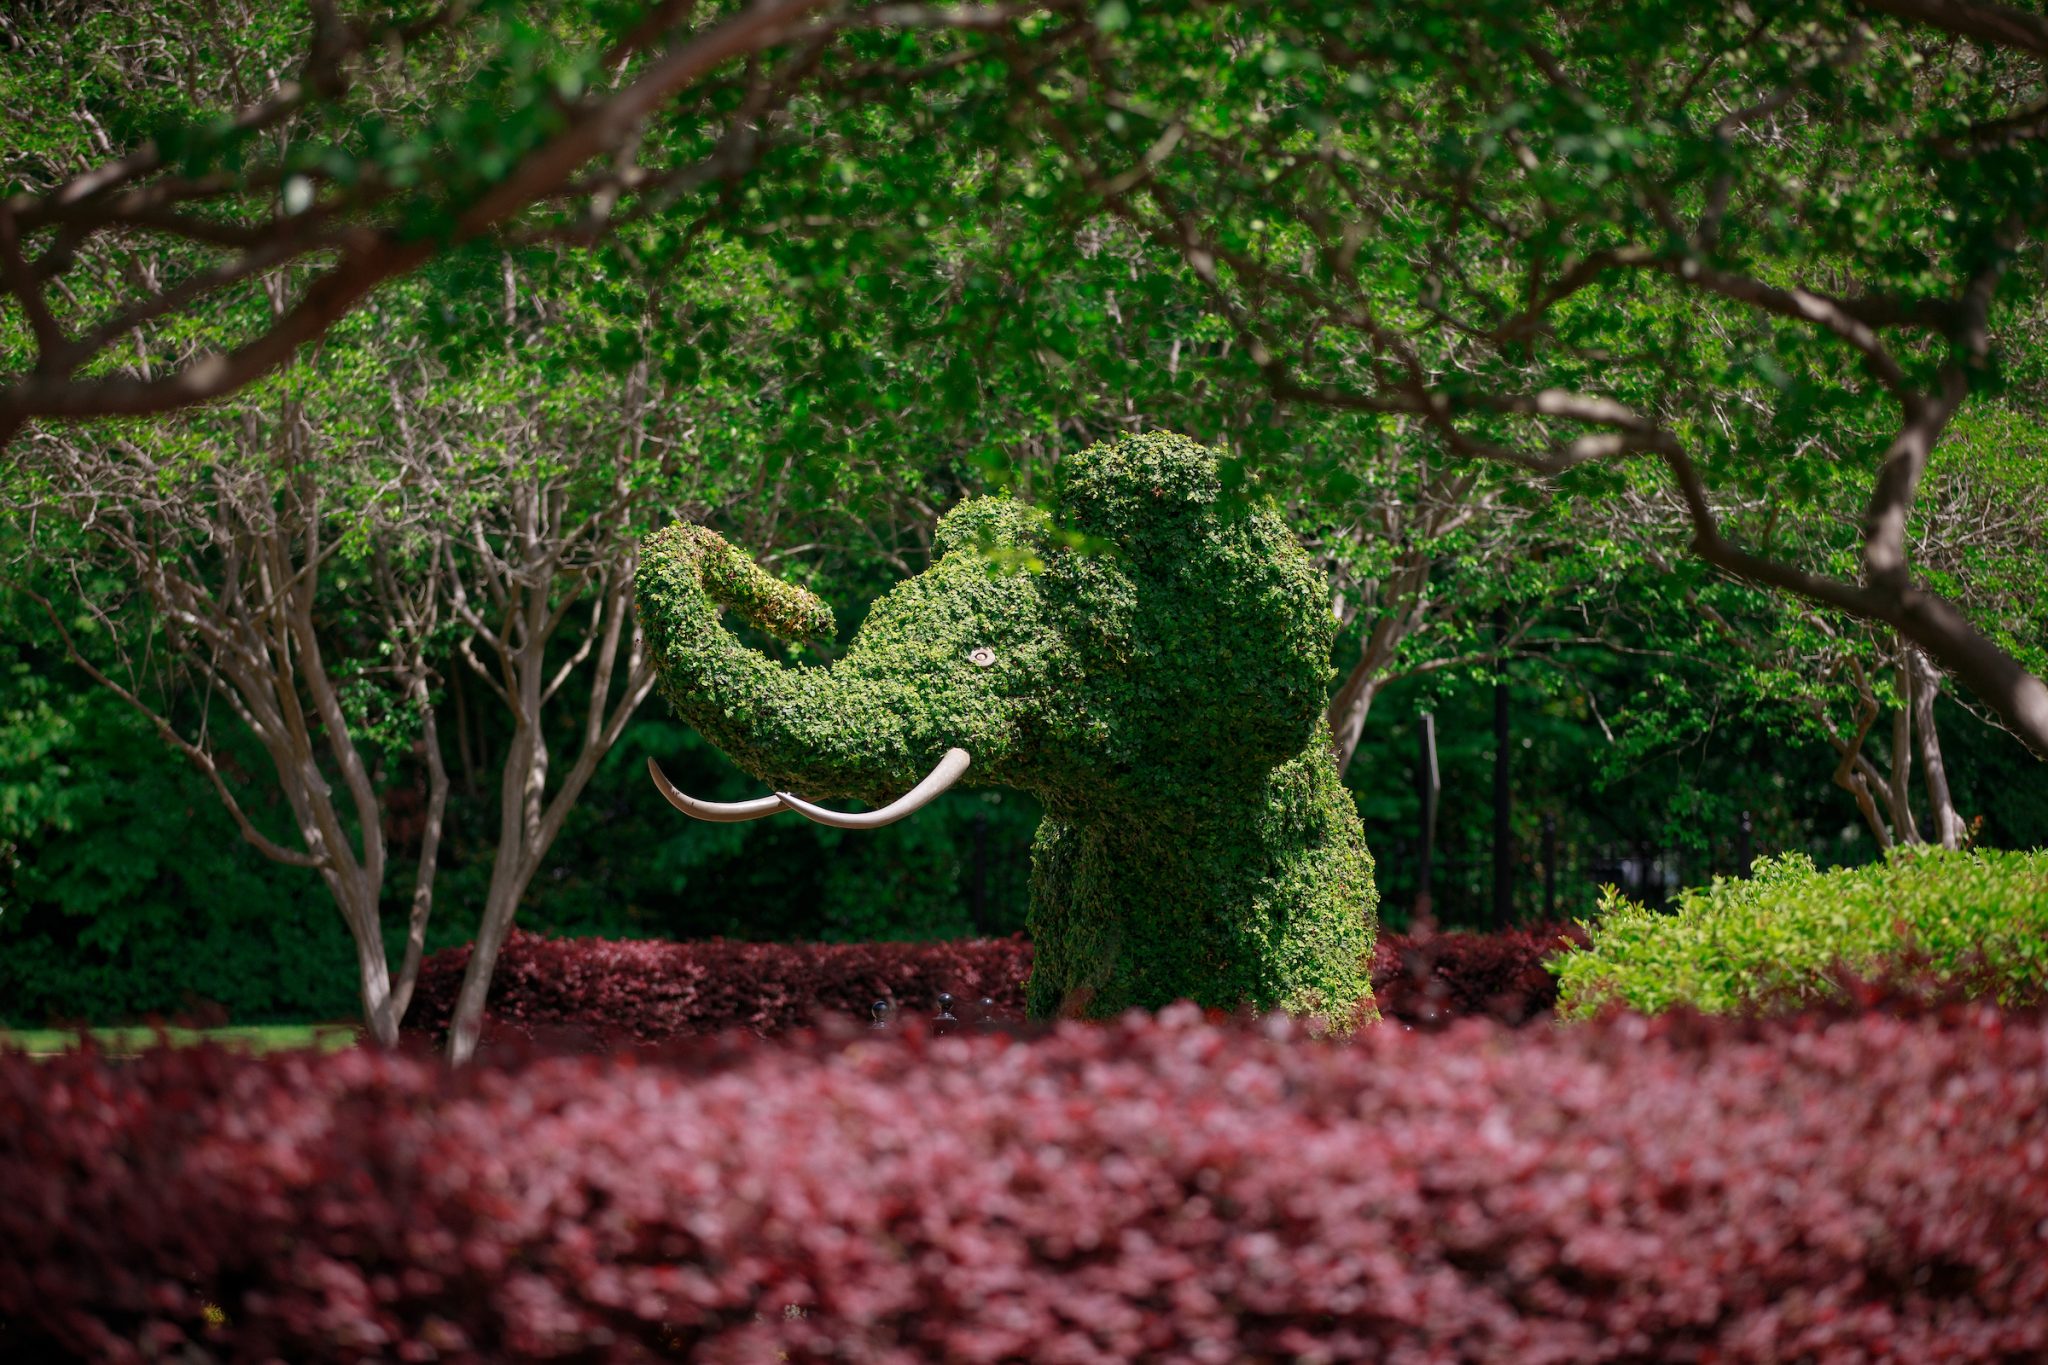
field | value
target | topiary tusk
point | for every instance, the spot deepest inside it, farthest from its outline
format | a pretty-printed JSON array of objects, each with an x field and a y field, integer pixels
[
  {"x": 718, "y": 812},
  {"x": 948, "y": 771}
]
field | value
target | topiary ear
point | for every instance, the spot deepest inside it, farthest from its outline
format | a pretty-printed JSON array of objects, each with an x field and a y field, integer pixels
[
  {"x": 1132, "y": 488},
  {"x": 999, "y": 527}
]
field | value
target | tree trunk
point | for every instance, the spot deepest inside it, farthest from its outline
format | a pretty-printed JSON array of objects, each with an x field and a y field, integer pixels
[
  {"x": 1899, "y": 792},
  {"x": 528, "y": 819},
  {"x": 358, "y": 902},
  {"x": 1948, "y": 826},
  {"x": 1397, "y": 619},
  {"x": 1855, "y": 774},
  {"x": 501, "y": 904},
  {"x": 430, "y": 853},
  {"x": 518, "y": 796},
  {"x": 1857, "y": 786},
  {"x": 1925, "y": 618},
  {"x": 1348, "y": 711}
]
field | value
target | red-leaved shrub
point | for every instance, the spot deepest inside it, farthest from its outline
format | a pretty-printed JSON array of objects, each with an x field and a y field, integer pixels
[
  {"x": 1434, "y": 978},
  {"x": 645, "y": 991},
  {"x": 651, "y": 990},
  {"x": 1863, "y": 1188}
]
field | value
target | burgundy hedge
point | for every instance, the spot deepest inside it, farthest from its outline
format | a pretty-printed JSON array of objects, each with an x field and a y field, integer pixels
[
  {"x": 651, "y": 991},
  {"x": 1865, "y": 1188},
  {"x": 1433, "y": 979}
]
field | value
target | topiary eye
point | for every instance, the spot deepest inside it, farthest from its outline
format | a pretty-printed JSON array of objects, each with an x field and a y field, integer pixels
[{"x": 981, "y": 658}]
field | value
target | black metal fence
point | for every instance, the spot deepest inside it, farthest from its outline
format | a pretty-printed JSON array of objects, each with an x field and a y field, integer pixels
[
  {"x": 996, "y": 876},
  {"x": 1550, "y": 877}
]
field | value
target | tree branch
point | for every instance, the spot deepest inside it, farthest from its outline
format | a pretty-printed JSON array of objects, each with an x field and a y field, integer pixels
[
  {"x": 1992, "y": 24},
  {"x": 201, "y": 758}
]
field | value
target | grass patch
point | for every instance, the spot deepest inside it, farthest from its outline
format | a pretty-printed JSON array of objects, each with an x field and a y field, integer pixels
[{"x": 251, "y": 1037}]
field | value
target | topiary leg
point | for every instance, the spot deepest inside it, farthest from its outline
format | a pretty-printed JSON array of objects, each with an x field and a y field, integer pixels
[{"x": 1265, "y": 899}]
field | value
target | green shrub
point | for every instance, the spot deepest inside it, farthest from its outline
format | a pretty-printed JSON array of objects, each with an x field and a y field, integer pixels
[{"x": 1778, "y": 933}]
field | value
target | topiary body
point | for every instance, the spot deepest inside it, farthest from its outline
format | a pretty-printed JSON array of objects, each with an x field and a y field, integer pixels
[{"x": 1159, "y": 688}]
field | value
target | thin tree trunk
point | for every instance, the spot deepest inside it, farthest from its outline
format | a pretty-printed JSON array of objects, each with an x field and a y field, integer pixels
[
  {"x": 528, "y": 820},
  {"x": 1854, "y": 773},
  {"x": 1348, "y": 712},
  {"x": 430, "y": 852},
  {"x": 1858, "y": 787},
  {"x": 1899, "y": 791},
  {"x": 373, "y": 974},
  {"x": 521, "y": 852},
  {"x": 465, "y": 744},
  {"x": 524, "y": 765},
  {"x": 1948, "y": 826},
  {"x": 1920, "y": 615},
  {"x": 519, "y": 789},
  {"x": 254, "y": 643},
  {"x": 501, "y": 903},
  {"x": 1398, "y": 617}
]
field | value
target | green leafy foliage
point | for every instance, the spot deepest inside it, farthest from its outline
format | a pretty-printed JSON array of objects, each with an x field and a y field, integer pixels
[
  {"x": 923, "y": 290},
  {"x": 1778, "y": 933},
  {"x": 125, "y": 889}
]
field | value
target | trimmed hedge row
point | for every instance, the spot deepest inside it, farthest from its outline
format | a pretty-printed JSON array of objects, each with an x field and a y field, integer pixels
[
  {"x": 1433, "y": 979},
  {"x": 1155, "y": 1188},
  {"x": 652, "y": 990},
  {"x": 567, "y": 990},
  {"x": 1781, "y": 937}
]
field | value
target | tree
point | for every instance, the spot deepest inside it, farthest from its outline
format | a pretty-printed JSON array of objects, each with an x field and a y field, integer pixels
[
  {"x": 231, "y": 558},
  {"x": 1437, "y": 568},
  {"x": 1704, "y": 239},
  {"x": 1014, "y": 342},
  {"x": 184, "y": 192},
  {"x": 1554, "y": 242},
  {"x": 456, "y": 515},
  {"x": 527, "y": 518},
  {"x": 1978, "y": 530},
  {"x": 125, "y": 889},
  {"x": 318, "y": 556}
]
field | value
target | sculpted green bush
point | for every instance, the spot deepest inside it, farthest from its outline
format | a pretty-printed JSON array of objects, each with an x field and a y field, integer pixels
[
  {"x": 1778, "y": 933},
  {"x": 1153, "y": 671}
]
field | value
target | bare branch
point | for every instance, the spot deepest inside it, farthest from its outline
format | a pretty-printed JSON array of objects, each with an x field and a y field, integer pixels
[
  {"x": 1993, "y": 24},
  {"x": 201, "y": 758},
  {"x": 1803, "y": 305},
  {"x": 14, "y": 272}
]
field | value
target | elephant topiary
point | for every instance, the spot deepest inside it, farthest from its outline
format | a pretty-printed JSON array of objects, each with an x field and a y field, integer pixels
[{"x": 1156, "y": 681}]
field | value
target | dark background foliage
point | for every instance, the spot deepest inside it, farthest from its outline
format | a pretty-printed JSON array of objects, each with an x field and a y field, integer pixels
[
  {"x": 125, "y": 891},
  {"x": 994, "y": 316}
]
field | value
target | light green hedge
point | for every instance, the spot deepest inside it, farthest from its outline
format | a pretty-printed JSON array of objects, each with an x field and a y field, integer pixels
[{"x": 1777, "y": 933}]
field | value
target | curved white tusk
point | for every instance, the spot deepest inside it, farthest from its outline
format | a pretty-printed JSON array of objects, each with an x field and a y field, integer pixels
[
  {"x": 724, "y": 813},
  {"x": 923, "y": 794}
]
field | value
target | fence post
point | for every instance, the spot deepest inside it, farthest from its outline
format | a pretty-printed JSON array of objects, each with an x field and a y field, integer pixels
[
  {"x": 1549, "y": 866},
  {"x": 977, "y": 909},
  {"x": 1503, "y": 865}
]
